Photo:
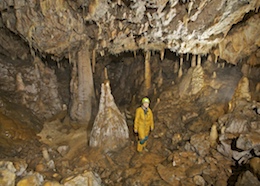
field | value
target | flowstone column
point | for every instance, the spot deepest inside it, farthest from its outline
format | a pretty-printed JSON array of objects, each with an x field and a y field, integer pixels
[
  {"x": 110, "y": 130},
  {"x": 82, "y": 87}
]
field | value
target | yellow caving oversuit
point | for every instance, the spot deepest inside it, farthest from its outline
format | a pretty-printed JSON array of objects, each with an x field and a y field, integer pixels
[{"x": 142, "y": 125}]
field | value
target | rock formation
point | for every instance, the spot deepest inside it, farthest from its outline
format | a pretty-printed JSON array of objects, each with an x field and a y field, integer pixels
[
  {"x": 110, "y": 130},
  {"x": 198, "y": 58}
]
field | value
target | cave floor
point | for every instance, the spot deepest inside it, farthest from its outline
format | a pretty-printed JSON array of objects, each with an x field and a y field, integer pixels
[
  {"x": 178, "y": 149},
  {"x": 67, "y": 146}
]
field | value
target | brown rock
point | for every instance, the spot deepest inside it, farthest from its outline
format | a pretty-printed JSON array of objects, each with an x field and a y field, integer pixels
[{"x": 196, "y": 170}]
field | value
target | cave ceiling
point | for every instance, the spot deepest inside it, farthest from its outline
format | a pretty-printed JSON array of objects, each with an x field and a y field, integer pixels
[{"x": 228, "y": 28}]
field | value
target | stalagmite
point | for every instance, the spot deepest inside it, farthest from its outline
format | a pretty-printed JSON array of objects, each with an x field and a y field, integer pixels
[
  {"x": 175, "y": 67},
  {"x": 162, "y": 54},
  {"x": 110, "y": 130},
  {"x": 160, "y": 79},
  {"x": 45, "y": 154},
  {"x": 242, "y": 92},
  {"x": 82, "y": 87},
  {"x": 214, "y": 75},
  {"x": 19, "y": 82},
  {"x": 154, "y": 91},
  {"x": 93, "y": 60},
  {"x": 147, "y": 75},
  {"x": 213, "y": 135},
  {"x": 199, "y": 60},
  {"x": 181, "y": 63},
  {"x": 193, "y": 61},
  {"x": 209, "y": 58}
]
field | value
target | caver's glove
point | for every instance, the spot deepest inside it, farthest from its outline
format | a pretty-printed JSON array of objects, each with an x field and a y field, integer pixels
[{"x": 143, "y": 140}]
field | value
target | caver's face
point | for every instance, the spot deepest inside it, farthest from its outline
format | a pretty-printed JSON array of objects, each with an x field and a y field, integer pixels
[{"x": 146, "y": 105}]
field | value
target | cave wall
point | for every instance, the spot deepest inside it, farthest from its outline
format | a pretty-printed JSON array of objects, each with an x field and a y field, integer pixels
[
  {"x": 32, "y": 85},
  {"x": 227, "y": 30}
]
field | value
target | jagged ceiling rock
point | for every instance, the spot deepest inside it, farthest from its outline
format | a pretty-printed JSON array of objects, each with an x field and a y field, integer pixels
[
  {"x": 59, "y": 27},
  {"x": 242, "y": 41}
]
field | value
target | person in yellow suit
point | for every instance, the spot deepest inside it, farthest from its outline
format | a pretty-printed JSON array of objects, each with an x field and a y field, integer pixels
[{"x": 143, "y": 123}]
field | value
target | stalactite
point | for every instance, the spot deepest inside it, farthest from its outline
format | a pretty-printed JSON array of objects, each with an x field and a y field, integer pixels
[
  {"x": 162, "y": 54},
  {"x": 199, "y": 60},
  {"x": 216, "y": 53},
  {"x": 93, "y": 60},
  {"x": 58, "y": 65},
  {"x": 105, "y": 73},
  {"x": 119, "y": 2},
  {"x": 69, "y": 56},
  {"x": 134, "y": 53},
  {"x": 190, "y": 7},
  {"x": 181, "y": 60},
  {"x": 147, "y": 75},
  {"x": 186, "y": 20},
  {"x": 181, "y": 63},
  {"x": 187, "y": 57},
  {"x": 193, "y": 61}
]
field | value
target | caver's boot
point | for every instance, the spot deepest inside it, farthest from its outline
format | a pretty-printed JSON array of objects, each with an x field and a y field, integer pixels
[{"x": 140, "y": 147}]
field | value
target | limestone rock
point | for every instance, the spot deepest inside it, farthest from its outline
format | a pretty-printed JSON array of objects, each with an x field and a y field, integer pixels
[
  {"x": 63, "y": 150},
  {"x": 238, "y": 124},
  {"x": 240, "y": 42},
  {"x": 255, "y": 165},
  {"x": 87, "y": 179},
  {"x": 34, "y": 179},
  {"x": 196, "y": 169},
  {"x": 7, "y": 172},
  {"x": 36, "y": 87},
  {"x": 201, "y": 143},
  {"x": 7, "y": 178},
  {"x": 20, "y": 167},
  {"x": 110, "y": 130},
  {"x": 199, "y": 180},
  {"x": 51, "y": 183},
  {"x": 247, "y": 178},
  {"x": 248, "y": 141},
  {"x": 192, "y": 82},
  {"x": 168, "y": 175}
]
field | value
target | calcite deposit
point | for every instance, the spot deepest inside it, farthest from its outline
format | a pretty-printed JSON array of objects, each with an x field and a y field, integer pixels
[{"x": 62, "y": 123}]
